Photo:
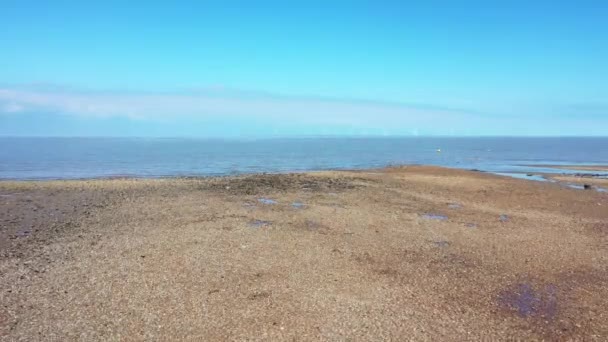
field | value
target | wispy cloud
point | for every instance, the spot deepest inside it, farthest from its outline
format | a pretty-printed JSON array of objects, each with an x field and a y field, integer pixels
[
  {"x": 11, "y": 108},
  {"x": 221, "y": 103},
  {"x": 237, "y": 108}
]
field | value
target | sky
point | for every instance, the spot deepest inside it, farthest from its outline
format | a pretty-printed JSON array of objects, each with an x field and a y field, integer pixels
[{"x": 302, "y": 68}]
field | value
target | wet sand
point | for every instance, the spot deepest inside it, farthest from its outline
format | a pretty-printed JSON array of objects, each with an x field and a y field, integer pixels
[
  {"x": 599, "y": 182},
  {"x": 402, "y": 253},
  {"x": 574, "y": 167}
]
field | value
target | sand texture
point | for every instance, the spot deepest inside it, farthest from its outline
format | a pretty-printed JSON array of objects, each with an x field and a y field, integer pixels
[{"x": 409, "y": 253}]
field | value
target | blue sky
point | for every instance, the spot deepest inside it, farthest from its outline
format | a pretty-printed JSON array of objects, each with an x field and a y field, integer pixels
[{"x": 289, "y": 68}]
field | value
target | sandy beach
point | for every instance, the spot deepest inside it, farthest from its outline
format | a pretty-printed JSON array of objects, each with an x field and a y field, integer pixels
[{"x": 418, "y": 253}]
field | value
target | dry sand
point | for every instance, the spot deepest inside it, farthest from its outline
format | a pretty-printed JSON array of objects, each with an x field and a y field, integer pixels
[{"x": 205, "y": 259}]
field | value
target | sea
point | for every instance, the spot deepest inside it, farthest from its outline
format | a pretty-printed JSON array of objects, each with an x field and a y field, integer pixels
[{"x": 83, "y": 158}]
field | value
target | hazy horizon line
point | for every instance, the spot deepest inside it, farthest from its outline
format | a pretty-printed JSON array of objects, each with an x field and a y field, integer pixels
[{"x": 266, "y": 137}]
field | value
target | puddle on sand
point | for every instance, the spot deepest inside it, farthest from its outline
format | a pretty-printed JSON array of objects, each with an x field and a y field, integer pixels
[
  {"x": 441, "y": 243},
  {"x": 10, "y": 195},
  {"x": 503, "y": 218},
  {"x": 454, "y": 206},
  {"x": 530, "y": 303},
  {"x": 519, "y": 175},
  {"x": 298, "y": 205},
  {"x": 585, "y": 187},
  {"x": 267, "y": 201},
  {"x": 576, "y": 186},
  {"x": 312, "y": 225},
  {"x": 259, "y": 223},
  {"x": 23, "y": 233},
  {"x": 435, "y": 217}
]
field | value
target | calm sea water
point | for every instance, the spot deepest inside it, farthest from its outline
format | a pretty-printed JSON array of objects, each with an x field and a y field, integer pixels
[{"x": 66, "y": 158}]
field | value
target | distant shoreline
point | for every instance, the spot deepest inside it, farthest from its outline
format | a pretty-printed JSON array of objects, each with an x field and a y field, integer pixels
[
  {"x": 40, "y": 159},
  {"x": 588, "y": 167}
]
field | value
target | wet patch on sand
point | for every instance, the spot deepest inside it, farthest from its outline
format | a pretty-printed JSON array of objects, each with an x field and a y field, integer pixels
[
  {"x": 259, "y": 295},
  {"x": 526, "y": 301},
  {"x": 527, "y": 176},
  {"x": 441, "y": 243},
  {"x": 315, "y": 226},
  {"x": 585, "y": 187},
  {"x": 298, "y": 205},
  {"x": 22, "y": 233},
  {"x": 31, "y": 219},
  {"x": 9, "y": 195},
  {"x": 437, "y": 217},
  {"x": 267, "y": 201},
  {"x": 259, "y": 223},
  {"x": 576, "y": 186},
  {"x": 265, "y": 183}
]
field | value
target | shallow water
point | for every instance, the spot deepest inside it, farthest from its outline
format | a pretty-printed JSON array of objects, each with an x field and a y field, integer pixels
[
  {"x": 69, "y": 158},
  {"x": 438, "y": 217},
  {"x": 576, "y": 186},
  {"x": 529, "y": 302},
  {"x": 259, "y": 223},
  {"x": 298, "y": 205},
  {"x": 267, "y": 201},
  {"x": 442, "y": 243},
  {"x": 527, "y": 176}
]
